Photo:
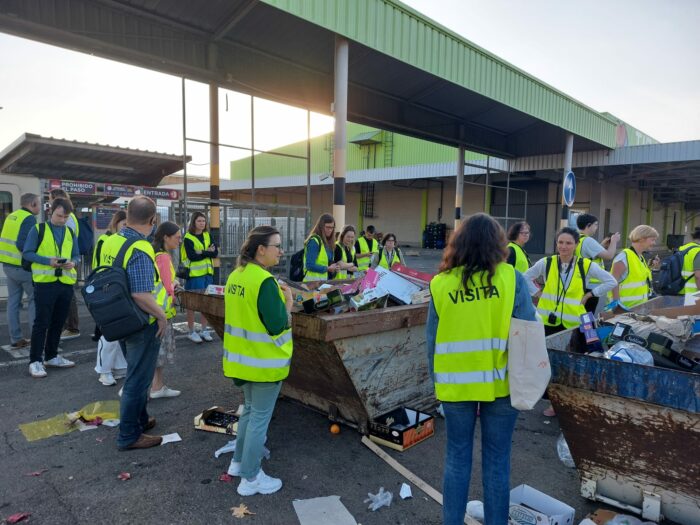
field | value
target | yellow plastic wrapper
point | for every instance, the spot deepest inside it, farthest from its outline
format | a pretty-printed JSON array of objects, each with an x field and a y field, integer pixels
[{"x": 65, "y": 423}]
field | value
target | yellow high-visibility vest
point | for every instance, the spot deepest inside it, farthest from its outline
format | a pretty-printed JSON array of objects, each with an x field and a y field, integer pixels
[
  {"x": 636, "y": 287},
  {"x": 321, "y": 260},
  {"x": 44, "y": 273},
  {"x": 250, "y": 352},
  {"x": 522, "y": 261},
  {"x": 343, "y": 274},
  {"x": 9, "y": 254},
  {"x": 568, "y": 310},
  {"x": 110, "y": 250},
  {"x": 471, "y": 361},
  {"x": 363, "y": 263},
  {"x": 395, "y": 258},
  {"x": 197, "y": 268},
  {"x": 687, "y": 272},
  {"x": 98, "y": 249},
  {"x": 168, "y": 307}
]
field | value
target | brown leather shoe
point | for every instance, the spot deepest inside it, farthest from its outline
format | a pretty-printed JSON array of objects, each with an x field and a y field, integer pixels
[
  {"x": 144, "y": 441},
  {"x": 151, "y": 423}
]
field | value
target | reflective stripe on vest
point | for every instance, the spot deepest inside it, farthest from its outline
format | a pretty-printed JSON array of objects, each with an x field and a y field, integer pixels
[
  {"x": 471, "y": 361},
  {"x": 250, "y": 353},
  {"x": 44, "y": 273},
  {"x": 522, "y": 261},
  {"x": 364, "y": 262},
  {"x": 110, "y": 250},
  {"x": 343, "y": 274},
  {"x": 635, "y": 288},
  {"x": 598, "y": 260},
  {"x": 394, "y": 259},
  {"x": 687, "y": 272},
  {"x": 321, "y": 260},
  {"x": 569, "y": 309},
  {"x": 197, "y": 268},
  {"x": 9, "y": 253}
]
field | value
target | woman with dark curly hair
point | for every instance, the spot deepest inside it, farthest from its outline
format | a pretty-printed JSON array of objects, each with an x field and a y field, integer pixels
[{"x": 474, "y": 297}]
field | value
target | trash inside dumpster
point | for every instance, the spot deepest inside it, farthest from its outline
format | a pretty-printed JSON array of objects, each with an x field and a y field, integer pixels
[
  {"x": 633, "y": 430},
  {"x": 353, "y": 364}
]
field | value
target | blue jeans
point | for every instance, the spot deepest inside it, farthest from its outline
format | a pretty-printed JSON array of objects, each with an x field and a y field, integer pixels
[
  {"x": 259, "y": 403},
  {"x": 141, "y": 352},
  {"x": 19, "y": 282},
  {"x": 497, "y": 426}
]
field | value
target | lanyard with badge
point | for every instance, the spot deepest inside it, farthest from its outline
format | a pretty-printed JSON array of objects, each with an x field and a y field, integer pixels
[{"x": 562, "y": 288}]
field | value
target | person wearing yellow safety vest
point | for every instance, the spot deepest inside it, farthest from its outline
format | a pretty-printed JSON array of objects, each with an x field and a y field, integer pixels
[
  {"x": 71, "y": 328},
  {"x": 15, "y": 229},
  {"x": 518, "y": 236},
  {"x": 141, "y": 348},
  {"x": 632, "y": 271},
  {"x": 318, "y": 250},
  {"x": 389, "y": 255},
  {"x": 344, "y": 254},
  {"x": 474, "y": 297},
  {"x": 591, "y": 249},
  {"x": 365, "y": 248},
  {"x": 691, "y": 264},
  {"x": 257, "y": 351},
  {"x": 566, "y": 284},
  {"x": 166, "y": 239},
  {"x": 53, "y": 252},
  {"x": 196, "y": 254}
]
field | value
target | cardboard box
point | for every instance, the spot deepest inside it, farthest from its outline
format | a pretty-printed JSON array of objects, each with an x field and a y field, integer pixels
[
  {"x": 218, "y": 419},
  {"x": 414, "y": 275},
  {"x": 529, "y": 506},
  {"x": 400, "y": 289},
  {"x": 402, "y": 428}
]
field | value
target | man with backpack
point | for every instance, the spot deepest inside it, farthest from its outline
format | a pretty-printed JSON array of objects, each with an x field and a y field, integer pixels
[
  {"x": 140, "y": 348},
  {"x": 691, "y": 264}
]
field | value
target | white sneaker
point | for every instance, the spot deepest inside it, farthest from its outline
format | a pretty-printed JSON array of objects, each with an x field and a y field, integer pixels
[
  {"x": 36, "y": 369},
  {"x": 234, "y": 469},
  {"x": 59, "y": 362},
  {"x": 194, "y": 337},
  {"x": 107, "y": 379},
  {"x": 164, "y": 391},
  {"x": 119, "y": 373},
  {"x": 261, "y": 484},
  {"x": 206, "y": 336}
]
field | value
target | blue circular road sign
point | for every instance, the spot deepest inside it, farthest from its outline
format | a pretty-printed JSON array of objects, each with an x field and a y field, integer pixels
[{"x": 569, "y": 189}]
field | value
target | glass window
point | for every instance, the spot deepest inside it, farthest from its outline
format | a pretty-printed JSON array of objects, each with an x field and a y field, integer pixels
[{"x": 5, "y": 206}]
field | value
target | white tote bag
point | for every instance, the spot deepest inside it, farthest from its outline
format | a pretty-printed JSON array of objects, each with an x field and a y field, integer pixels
[{"x": 528, "y": 363}]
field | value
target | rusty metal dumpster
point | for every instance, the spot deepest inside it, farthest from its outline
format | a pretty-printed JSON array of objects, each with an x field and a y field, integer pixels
[
  {"x": 354, "y": 366},
  {"x": 633, "y": 431}
]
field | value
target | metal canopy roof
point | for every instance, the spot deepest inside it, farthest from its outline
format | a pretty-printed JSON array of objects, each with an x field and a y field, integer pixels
[
  {"x": 407, "y": 73},
  {"x": 50, "y": 158}
]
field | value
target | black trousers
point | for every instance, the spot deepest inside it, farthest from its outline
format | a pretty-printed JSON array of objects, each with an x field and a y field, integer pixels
[{"x": 52, "y": 302}]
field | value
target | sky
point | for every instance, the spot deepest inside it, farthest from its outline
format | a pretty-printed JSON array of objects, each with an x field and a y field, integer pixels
[{"x": 635, "y": 59}]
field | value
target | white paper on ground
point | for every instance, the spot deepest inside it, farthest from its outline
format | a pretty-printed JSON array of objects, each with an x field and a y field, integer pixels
[
  {"x": 405, "y": 491},
  {"x": 111, "y": 422},
  {"x": 323, "y": 511},
  {"x": 171, "y": 438},
  {"x": 689, "y": 300},
  {"x": 82, "y": 426}
]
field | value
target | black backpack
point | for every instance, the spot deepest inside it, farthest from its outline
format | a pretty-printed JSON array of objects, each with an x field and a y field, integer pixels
[
  {"x": 296, "y": 266},
  {"x": 108, "y": 299},
  {"x": 669, "y": 280}
]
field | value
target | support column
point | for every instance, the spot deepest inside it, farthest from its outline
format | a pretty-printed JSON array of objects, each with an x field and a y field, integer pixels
[
  {"x": 568, "y": 161},
  {"x": 340, "y": 111},
  {"x": 459, "y": 187},
  {"x": 625, "y": 219},
  {"x": 214, "y": 221}
]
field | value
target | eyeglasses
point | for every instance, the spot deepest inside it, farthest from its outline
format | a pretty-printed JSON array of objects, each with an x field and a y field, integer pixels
[{"x": 278, "y": 246}]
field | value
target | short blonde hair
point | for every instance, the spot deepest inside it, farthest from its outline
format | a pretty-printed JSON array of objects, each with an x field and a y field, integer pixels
[{"x": 642, "y": 232}]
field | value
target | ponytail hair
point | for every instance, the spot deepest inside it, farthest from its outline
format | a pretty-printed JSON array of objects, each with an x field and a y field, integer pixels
[{"x": 258, "y": 236}]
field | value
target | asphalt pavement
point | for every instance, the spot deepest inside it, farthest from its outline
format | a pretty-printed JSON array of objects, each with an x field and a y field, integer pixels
[{"x": 179, "y": 483}]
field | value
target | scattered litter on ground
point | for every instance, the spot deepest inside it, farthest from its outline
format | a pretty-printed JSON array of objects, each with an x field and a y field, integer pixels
[
  {"x": 322, "y": 511},
  {"x": 170, "y": 438},
  {"x": 99, "y": 440},
  {"x": 69, "y": 422},
  {"x": 16, "y": 518},
  {"x": 564, "y": 452},
  {"x": 124, "y": 476},
  {"x": 110, "y": 423},
  {"x": 37, "y": 473},
  {"x": 335, "y": 428},
  {"x": 475, "y": 509},
  {"x": 226, "y": 477},
  {"x": 241, "y": 511},
  {"x": 405, "y": 491},
  {"x": 380, "y": 499},
  {"x": 231, "y": 447},
  {"x": 546, "y": 422}
]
